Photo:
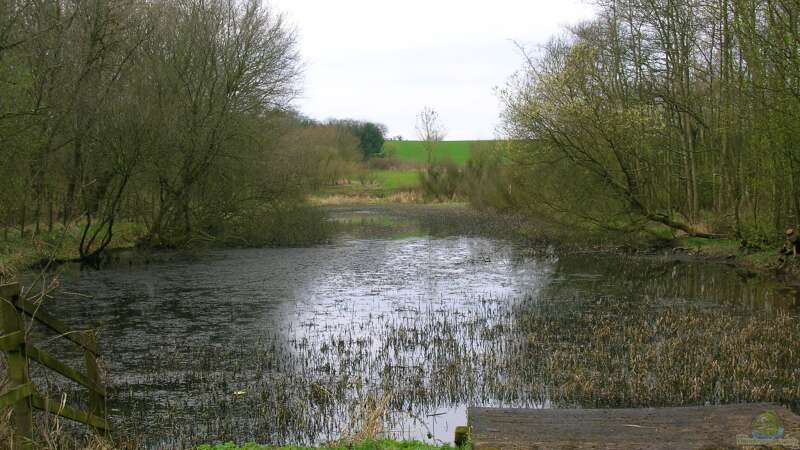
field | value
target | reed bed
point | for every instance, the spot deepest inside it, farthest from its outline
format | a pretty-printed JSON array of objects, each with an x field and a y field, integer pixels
[
  {"x": 635, "y": 332},
  {"x": 367, "y": 378}
]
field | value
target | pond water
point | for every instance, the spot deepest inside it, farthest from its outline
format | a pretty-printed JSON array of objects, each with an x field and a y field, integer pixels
[{"x": 395, "y": 327}]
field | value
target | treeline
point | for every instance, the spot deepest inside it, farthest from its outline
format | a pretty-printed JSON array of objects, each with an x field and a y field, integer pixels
[
  {"x": 169, "y": 114},
  {"x": 682, "y": 113}
]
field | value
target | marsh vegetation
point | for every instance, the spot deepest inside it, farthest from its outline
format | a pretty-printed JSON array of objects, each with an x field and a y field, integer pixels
[{"x": 401, "y": 322}]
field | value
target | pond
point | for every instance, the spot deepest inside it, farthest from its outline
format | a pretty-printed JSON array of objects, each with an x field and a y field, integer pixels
[{"x": 408, "y": 316}]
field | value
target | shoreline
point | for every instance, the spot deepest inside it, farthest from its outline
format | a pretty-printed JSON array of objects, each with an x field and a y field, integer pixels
[{"x": 460, "y": 214}]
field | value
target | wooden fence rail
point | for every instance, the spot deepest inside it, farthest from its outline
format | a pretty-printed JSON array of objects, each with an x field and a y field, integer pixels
[{"x": 22, "y": 395}]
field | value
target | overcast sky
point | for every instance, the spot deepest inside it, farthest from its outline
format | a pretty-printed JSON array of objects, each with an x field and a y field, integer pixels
[{"x": 384, "y": 61}]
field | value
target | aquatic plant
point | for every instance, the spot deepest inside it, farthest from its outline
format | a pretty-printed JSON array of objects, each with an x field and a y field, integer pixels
[{"x": 602, "y": 331}]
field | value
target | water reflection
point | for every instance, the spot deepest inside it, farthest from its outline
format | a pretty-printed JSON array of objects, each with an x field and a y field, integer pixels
[
  {"x": 666, "y": 278},
  {"x": 314, "y": 337}
]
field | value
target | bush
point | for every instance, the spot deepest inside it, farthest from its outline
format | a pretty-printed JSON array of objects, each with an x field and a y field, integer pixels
[
  {"x": 487, "y": 179},
  {"x": 442, "y": 180},
  {"x": 277, "y": 225}
]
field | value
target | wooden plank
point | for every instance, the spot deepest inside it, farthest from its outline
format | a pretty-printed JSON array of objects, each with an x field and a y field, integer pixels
[
  {"x": 97, "y": 399},
  {"x": 55, "y": 407},
  {"x": 16, "y": 394},
  {"x": 52, "y": 363},
  {"x": 56, "y": 325},
  {"x": 23, "y": 395},
  {"x": 9, "y": 293},
  {"x": 17, "y": 370},
  {"x": 685, "y": 428},
  {"x": 12, "y": 341}
]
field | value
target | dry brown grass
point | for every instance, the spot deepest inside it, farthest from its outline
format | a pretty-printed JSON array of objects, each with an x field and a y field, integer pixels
[
  {"x": 635, "y": 354},
  {"x": 366, "y": 198},
  {"x": 52, "y": 433},
  {"x": 366, "y": 422}
]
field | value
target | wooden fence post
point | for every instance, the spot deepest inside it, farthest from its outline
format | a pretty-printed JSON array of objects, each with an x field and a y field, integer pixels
[
  {"x": 17, "y": 366},
  {"x": 22, "y": 395},
  {"x": 97, "y": 403}
]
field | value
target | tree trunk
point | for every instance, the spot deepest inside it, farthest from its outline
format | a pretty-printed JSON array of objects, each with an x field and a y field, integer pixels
[
  {"x": 50, "y": 214},
  {"x": 37, "y": 212},
  {"x": 23, "y": 218}
]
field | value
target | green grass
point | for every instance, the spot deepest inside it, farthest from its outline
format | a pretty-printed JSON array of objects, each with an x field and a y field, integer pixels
[
  {"x": 702, "y": 242},
  {"x": 457, "y": 151},
  {"x": 17, "y": 254},
  {"x": 761, "y": 260},
  {"x": 397, "y": 179},
  {"x": 711, "y": 247},
  {"x": 369, "y": 445},
  {"x": 378, "y": 183}
]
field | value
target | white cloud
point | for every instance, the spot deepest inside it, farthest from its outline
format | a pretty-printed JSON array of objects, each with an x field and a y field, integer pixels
[{"x": 385, "y": 60}]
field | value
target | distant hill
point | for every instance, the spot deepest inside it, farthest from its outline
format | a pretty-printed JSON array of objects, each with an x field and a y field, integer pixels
[{"x": 457, "y": 151}]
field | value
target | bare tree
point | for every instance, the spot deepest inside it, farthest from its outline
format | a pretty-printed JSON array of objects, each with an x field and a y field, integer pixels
[
  {"x": 430, "y": 130},
  {"x": 678, "y": 112},
  {"x": 244, "y": 62}
]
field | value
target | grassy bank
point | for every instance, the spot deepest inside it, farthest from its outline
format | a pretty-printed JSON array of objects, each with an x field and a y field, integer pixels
[
  {"x": 61, "y": 244},
  {"x": 367, "y": 445},
  {"x": 376, "y": 186},
  {"x": 280, "y": 225},
  {"x": 763, "y": 260}
]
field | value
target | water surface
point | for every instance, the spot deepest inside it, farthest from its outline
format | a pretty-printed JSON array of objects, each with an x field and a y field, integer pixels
[{"x": 415, "y": 322}]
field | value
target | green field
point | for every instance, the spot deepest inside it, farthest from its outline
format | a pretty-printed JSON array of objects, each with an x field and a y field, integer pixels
[
  {"x": 397, "y": 179},
  {"x": 457, "y": 151}
]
